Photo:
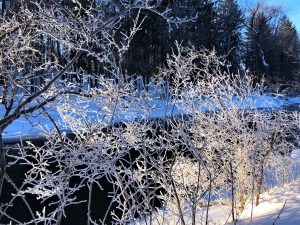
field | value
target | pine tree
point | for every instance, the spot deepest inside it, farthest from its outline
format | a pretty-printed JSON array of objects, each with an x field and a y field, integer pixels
[
  {"x": 229, "y": 23},
  {"x": 153, "y": 42},
  {"x": 259, "y": 43},
  {"x": 288, "y": 43}
]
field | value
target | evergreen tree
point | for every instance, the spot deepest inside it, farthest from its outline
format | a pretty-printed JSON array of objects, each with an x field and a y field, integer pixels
[
  {"x": 259, "y": 43},
  {"x": 271, "y": 48},
  {"x": 288, "y": 43},
  {"x": 229, "y": 24},
  {"x": 153, "y": 42},
  {"x": 202, "y": 32}
]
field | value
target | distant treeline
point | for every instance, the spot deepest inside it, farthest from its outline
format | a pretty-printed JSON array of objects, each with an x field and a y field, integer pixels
[{"x": 260, "y": 37}]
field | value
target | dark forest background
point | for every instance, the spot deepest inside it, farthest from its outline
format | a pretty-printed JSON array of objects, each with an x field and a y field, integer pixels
[{"x": 260, "y": 38}]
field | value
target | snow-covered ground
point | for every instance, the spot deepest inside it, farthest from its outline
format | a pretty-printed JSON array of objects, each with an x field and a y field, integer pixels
[
  {"x": 284, "y": 199},
  {"x": 29, "y": 128},
  {"x": 278, "y": 206},
  {"x": 281, "y": 200},
  {"x": 32, "y": 127}
]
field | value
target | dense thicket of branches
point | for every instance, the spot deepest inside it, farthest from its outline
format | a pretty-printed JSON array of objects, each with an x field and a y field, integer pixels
[
  {"x": 211, "y": 143},
  {"x": 46, "y": 48},
  {"x": 213, "y": 149}
]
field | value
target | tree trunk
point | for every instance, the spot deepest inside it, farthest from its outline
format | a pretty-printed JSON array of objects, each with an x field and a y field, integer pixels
[
  {"x": 232, "y": 194},
  {"x": 2, "y": 162},
  {"x": 3, "y": 8},
  {"x": 12, "y": 5},
  {"x": 259, "y": 182}
]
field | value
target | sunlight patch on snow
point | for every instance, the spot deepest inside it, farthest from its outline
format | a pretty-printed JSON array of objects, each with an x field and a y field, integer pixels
[
  {"x": 217, "y": 215},
  {"x": 264, "y": 214},
  {"x": 271, "y": 204}
]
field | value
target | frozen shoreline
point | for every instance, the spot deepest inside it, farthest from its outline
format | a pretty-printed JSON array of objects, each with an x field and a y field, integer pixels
[{"x": 32, "y": 127}]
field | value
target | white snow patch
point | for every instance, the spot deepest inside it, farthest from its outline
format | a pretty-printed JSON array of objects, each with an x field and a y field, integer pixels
[
  {"x": 28, "y": 128},
  {"x": 271, "y": 205},
  {"x": 295, "y": 154},
  {"x": 217, "y": 215}
]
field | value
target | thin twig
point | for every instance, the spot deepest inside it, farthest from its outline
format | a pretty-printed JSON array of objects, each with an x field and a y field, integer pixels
[{"x": 278, "y": 216}]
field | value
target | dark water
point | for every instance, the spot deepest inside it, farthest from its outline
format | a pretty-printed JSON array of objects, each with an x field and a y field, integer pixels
[
  {"x": 292, "y": 107},
  {"x": 76, "y": 214}
]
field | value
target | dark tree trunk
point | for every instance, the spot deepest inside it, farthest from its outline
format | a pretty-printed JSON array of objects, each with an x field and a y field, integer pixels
[
  {"x": 3, "y": 8},
  {"x": 2, "y": 162},
  {"x": 259, "y": 182},
  {"x": 232, "y": 194}
]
